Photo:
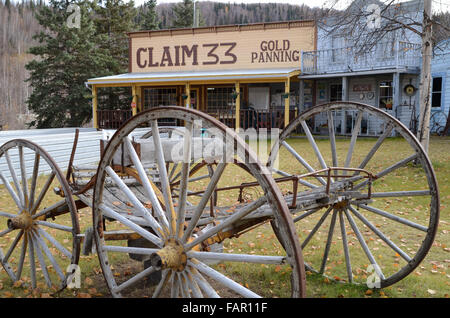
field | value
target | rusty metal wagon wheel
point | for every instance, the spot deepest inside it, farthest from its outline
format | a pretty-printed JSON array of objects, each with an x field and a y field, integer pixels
[
  {"x": 367, "y": 208},
  {"x": 39, "y": 228},
  {"x": 165, "y": 234}
]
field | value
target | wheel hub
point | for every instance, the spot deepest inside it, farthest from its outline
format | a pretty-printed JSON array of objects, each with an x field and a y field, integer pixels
[
  {"x": 23, "y": 221},
  {"x": 172, "y": 256}
]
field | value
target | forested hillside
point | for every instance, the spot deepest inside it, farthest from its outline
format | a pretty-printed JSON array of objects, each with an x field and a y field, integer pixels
[{"x": 17, "y": 27}]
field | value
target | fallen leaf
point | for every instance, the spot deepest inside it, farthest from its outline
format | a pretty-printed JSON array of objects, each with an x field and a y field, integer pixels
[
  {"x": 431, "y": 292},
  {"x": 88, "y": 281},
  {"x": 369, "y": 292},
  {"x": 84, "y": 295}
]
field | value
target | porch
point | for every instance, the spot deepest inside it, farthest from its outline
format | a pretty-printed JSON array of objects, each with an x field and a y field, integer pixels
[
  {"x": 383, "y": 56},
  {"x": 238, "y": 98}
]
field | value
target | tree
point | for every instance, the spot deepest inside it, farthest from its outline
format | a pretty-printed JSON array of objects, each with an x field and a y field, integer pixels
[
  {"x": 184, "y": 14},
  {"x": 114, "y": 18},
  {"x": 149, "y": 17},
  {"x": 65, "y": 58}
]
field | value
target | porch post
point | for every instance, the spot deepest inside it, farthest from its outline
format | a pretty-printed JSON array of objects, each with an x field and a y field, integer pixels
[
  {"x": 395, "y": 92},
  {"x": 187, "y": 103},
  {"x": 301, "y": 95},
  {"x": 94, "y": 106},
  {"x": 237, "y": 88},
  {"x": 134, "y": 101},
  {"x": 287, "y": 88},
  {"x": 345, "y": 88}
]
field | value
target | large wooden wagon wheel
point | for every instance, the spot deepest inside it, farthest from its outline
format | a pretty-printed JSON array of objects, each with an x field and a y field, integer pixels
[
  {"x": 368, "y": 208},
  {"x": 38, "y": 228},
  {"x": 175, "y": 238}
]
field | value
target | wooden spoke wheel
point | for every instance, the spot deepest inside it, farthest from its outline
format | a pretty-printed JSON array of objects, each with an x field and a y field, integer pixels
[
  {"x": 170, "y": 241},
  {"x": 367, "y": 207},
  {"x": 38, "y": 228}
]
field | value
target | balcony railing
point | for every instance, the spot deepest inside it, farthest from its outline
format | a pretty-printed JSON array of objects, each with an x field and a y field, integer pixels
[
  {"x": 348, "y": 59},
  {"x": 112, "y": 119}
]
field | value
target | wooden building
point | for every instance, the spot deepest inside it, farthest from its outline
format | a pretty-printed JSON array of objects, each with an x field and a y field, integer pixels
[{"x": 244, "y": 75}]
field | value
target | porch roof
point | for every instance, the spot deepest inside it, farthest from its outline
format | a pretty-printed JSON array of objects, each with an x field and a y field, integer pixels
[{"x": 128, "y": 79}]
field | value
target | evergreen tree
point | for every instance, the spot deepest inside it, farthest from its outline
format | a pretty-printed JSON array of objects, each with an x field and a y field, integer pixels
[
  {"x": 149, "y": 18},
  {"x": 114, "y": 18},
  {"x": 184, "y": 14},
  {"x": 65, "y": 58}
]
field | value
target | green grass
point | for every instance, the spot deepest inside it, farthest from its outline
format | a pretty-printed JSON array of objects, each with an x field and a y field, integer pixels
[{"x": 430, "y": 279}]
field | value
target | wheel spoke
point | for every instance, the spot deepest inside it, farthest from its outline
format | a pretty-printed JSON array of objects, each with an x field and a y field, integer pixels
[
  {"x": 313, "y": 144},
  {"x": 196, "y": 291},
  {"x": 304, "y": 215},
  {"x": 12, "y": 192},
  {"x": 147, "y": 186},
  {"x": 34, "y": 179},
  {"x": 348, "y": 264},
  {"x": 3, "y": 233},
  {"x": 55, "y": 243},
  {"x": 380, "y": 234},
  {"x": 23, "y": 253},
  {"x": 316, "y": 227},
  {"x": 228, "y": 257},
  {"x": 55, "y": 226},
  {"x": 133, "y": 226},
  {"x": 364, "y": 245},
  {"x": 174, "y": 290},
  {"x": 203, "y": 283},
  {"x": 328, "y": 245},
  {"x": 41, "y": 261},
  {"x": 23, "y": 174},
  {"x": 302, "y": 161},
  {"x": 163, "y": 177},
  {"x": 49, "y": 209},
  {"x": 332, "y": 135},
  {"x": 12, "y": 247},
  {"x": 138, "y": 204},
  {"x": 388, "y": 170},
  {"x": 52, "y": 260},
  {"x": 8, "y": 215},
  {"x": 32, "y": 261},
  {"x": 225, "y": 281},
  {"x": 164, "y": 279},
  {"x": 15, "y": 179},
  {"x": 43, "y": 192},
  {"x": 130, "y": 250},
  {"x": 400, "y": 194},
  {"x": 393, "y": 217},
  {"x": 135, "y": 279},
  {"x": 227, "y": 222},
  {"x": 204, "y": 200},
  {"x": 377, "y": 145},
  {"x": 187, "y": 147}
]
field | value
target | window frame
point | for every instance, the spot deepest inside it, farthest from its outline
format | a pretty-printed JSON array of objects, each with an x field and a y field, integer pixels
[{"x": 442, "y": 91}]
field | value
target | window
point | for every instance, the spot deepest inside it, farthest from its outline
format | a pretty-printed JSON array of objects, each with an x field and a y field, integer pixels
[
  {"x": 154, "y": 97},
  {"x": 335, "y": 92},
  {"x": 220, "y": 99},
  {"x": 385, "y": 95},
  {"x": 436, "y": 92}
]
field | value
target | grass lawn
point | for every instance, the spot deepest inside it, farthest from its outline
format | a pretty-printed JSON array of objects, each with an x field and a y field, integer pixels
[{"x": 430, "y": 279}]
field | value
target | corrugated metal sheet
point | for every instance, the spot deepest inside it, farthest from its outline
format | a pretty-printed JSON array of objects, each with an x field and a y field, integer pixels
[{"x": 58, "y": 143}]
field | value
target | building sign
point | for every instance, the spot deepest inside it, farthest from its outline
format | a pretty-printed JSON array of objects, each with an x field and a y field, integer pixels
[
  {"x": 257, "y": 46},
  {"x": 362, "y": 87}
]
